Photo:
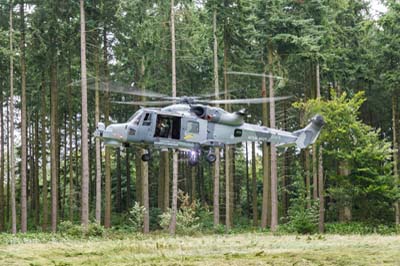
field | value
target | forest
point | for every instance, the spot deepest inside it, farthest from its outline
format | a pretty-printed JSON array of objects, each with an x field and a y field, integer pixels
[{"x": 62, "y": 64}]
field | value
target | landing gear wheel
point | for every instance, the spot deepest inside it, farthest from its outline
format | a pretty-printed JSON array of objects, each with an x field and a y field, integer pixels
[
  {"x": 193, "y": 162},
  {"x": 193, "y": 158},
  {"x": 211, "y": 158},
  {"x": 146, "y": 157}
]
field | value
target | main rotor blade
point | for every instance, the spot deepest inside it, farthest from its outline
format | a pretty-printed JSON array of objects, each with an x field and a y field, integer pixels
[
  {"x": 248, "y": 101},
  {"x": 145, "y": 103},
  {"x": 117, "y": 88},
  {"x": 253, "y": 74}
]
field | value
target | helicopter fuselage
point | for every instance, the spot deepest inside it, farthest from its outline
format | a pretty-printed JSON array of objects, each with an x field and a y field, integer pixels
[{"x": 192, "y": 127}]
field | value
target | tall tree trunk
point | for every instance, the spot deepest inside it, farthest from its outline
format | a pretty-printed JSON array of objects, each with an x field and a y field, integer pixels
[
  {"x": 98, "y": 150},
  {"x": 254, "y": 183},
  {"x": 395, "y": 125},
  {"x": 53, "y": 146},
  {"x": 161, "y": 180},
  {"x": 274, "y": 167},
  {"x": 44, "y": 156},
  {"x": 128, "y": 180},
  {"x": 23, "y": 124},
  {"x": 321, "y": 222},
  {"x": 107, "y": 166},
  {"x": 172, "y": 227},
  {"x": 118, "y": 196},
  {"x": 315, "y": 171},
  {"x": 217, "y": 155},
  {"x": 71, "y": 152},
  {"x": 248, "y": 204},
  {"x": 266, "y": 199},
  {"x": 145, "y": 193},
  {"x": 166, "y": 202},
  {"x": 2, "y": 194},
  {"x": 11, "y": 137},
  {"x": 138, "y": 185},
  {"x": 36, "y": 174},
  {"x": 84, "y": 141},
  {"x": 8, "y": 130},
  {"x": 307, "y": 172}
]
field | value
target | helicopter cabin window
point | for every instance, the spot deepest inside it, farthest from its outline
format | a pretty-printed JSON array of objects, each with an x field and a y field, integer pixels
[
  {"x": 192, "y": 127},
  {"x": 168, "y": 127},
  {"x": 238, "y": 133},
  {"x": 147, "y": 119}
]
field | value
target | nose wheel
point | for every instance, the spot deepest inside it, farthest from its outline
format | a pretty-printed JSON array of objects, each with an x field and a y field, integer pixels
[
  {"x": 194, "y": 158},
  {"x": 146, "y": 157}
]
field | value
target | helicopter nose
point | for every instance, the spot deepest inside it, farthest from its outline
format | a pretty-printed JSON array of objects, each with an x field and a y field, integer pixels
[{"x": 117, "y": 132}]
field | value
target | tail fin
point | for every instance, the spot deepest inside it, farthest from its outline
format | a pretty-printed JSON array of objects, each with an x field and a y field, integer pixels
[{"x": 310, "y": 133}]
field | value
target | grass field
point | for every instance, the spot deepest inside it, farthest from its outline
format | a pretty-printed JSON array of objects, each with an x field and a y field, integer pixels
[{"x": 238, "y": 249}]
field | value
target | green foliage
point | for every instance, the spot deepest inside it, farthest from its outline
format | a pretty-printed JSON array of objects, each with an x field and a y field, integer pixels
[
  {"x": 301, "y": 220},
  {"x": 95, "y": 230},
  {"x": 136, "y": 217},
  {"x": 360, "y": 228},
  {"x": 70, "y": 230},
  {"x": 67, "y": 228},
  {"x": 354, "y": 147},
  {"x": 188, "y": 216}
]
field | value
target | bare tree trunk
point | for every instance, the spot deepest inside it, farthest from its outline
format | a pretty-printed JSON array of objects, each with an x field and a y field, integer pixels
[
  {"x": 145, "y": 193},
  {"x": 128, "y": 180},
  {"x": 266, "y": 172},
  {"x": 2, "y": 194},
  {"x": 172, "y": 227},
  {"x": 138, "y": 165},
  {"x": 71, "y": 155},
  {"x": 193, "y": 182},
  {"x": 228, "y": 222},
  {"x": 44, "y": 157},
  {"x": 166, "y": 180},
  {"x": 161, "y": 180},
  {"x": 23, "y": 124},
  {"x": 307, "y": 170},
  {"x": 274, "y": 167},
  {"x": 84, "y": 141},
  {"x": 98, "y": 150},
  {"x": 54, "y": 145},
  {"x": 107, "y": 166},
  {"x": 36, "y": 167},
  {"x": 248, "y": 204},
  {"x": 395, "y": 124},
  {"x": 118, "y": 196},
  {"x": 11, "y": 137},
  {"x": 254, "y": 183},
  {"x": 217, "y": 155},
  {"x": 321, "y": 223},
  {"x": 315, "y": 171}
]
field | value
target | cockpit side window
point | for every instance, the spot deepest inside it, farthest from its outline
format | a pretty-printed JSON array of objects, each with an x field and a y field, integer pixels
[
  {"x": 135, "y": 118},
  {"x": 147, "y": 119}
]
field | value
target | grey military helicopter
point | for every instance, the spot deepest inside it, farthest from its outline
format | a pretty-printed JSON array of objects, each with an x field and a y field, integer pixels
[{"x": 192, "y": 124}]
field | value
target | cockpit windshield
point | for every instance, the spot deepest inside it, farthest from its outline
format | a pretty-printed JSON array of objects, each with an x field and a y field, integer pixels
[{"x": 135, "y": 118}]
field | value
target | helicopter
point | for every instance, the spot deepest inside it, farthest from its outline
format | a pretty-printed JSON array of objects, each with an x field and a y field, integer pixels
[{"x": 192, "y": 124}]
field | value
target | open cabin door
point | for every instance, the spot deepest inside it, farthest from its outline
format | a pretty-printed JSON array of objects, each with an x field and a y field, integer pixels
[{"x": 194, "y": 130}]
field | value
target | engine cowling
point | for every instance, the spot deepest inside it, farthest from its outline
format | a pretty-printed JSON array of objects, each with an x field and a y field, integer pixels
[{"x": 218, "y": 115}]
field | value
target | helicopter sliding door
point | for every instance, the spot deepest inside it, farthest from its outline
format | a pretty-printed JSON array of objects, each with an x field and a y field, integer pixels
[{"x": 194, "y": 130}]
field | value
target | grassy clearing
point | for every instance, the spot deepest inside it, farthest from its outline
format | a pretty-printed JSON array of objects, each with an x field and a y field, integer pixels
[{"x": 239, "y": 249}]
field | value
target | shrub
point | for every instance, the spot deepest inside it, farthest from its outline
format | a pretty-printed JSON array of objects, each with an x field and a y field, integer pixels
[
  {"x": 67, "y": 228},
  {"x": 95, "y": 230},
  {"x": 136, "y": 217},
  {"x": 187, "y": 217},
  {"x": 301, "y": 220}
]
